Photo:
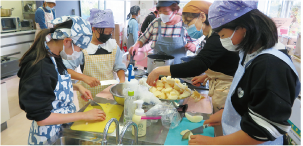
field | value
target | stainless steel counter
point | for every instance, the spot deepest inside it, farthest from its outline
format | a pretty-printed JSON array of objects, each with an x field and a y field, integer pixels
[{"x": 155, "y": 133}]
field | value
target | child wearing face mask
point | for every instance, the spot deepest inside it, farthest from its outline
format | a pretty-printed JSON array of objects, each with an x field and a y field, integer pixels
[
  {"x": 218, "y": 64},
  {"x": 101, "y": 59},
  {"x": 45, "y": 88},
  {"x": 266, "y": 83},
  {"x": 132, "y": 27},
  {"x": 44, "y": 15}
]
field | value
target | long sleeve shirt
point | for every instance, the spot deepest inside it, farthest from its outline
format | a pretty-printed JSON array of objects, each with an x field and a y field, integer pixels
[
  {"x": 40, "y": 17},
  {"x": 133, "y": 29},
  {"x": 213, "y": 56},
  {"x": 151, "y": 33}
]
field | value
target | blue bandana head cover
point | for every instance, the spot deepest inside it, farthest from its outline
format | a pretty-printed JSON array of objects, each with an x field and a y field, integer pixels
[
  {"x": 223, "y": 12},
  {"x": 80, "y": 32}
]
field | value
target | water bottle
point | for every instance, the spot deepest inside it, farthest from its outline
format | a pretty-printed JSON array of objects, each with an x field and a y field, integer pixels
[{"x": 129, "y": 108}]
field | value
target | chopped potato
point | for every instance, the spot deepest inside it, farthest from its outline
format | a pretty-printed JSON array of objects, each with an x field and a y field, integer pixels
[
  {"x": 171, "y": 88},
  {"x": 159, "y": 88},
  {"x": 162, "y": 96},
  {"x": 167, "y": 85},
  {"x": 185, "y": 94},
  {"x": 157, "y": 93},
  {"x": 159, "y": 84},
  {"x": 153, "y": 89},
  {"x": 167, "y": 90}
]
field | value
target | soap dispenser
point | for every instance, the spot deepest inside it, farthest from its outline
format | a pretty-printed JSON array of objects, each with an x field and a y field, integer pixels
[{"x": 139, "y": 112}]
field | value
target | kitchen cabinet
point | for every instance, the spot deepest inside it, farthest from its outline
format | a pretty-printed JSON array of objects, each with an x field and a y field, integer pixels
[
  {"x": 16, "y": 43},
  {"x": 4, "y": 107}
]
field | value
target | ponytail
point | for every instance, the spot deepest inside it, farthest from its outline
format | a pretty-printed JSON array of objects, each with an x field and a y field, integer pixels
[{"x": 38, "y": 49}]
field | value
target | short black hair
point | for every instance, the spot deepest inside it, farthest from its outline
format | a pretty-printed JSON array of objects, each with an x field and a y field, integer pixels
[
  {"x": 190, "y": 16},
  {"x": 260, "y": 29}
]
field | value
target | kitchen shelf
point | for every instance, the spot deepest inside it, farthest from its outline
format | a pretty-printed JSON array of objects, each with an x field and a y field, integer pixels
[{"x": 29, "y": 12}]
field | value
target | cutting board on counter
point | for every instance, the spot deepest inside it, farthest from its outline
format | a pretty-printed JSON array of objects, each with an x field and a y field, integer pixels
[
  {"x": 111, "y": 110},
  {"x": 175, "y": 138}
]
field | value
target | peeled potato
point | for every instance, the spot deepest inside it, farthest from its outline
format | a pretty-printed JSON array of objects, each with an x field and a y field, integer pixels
[
  {"x": 176, "y": 92},
  {"x": 163, "y": 79},
  {"x": 172, "y": 97},
  {"x": 167, "y": 90},
  {"x": 153, "y": 89},
  {"x": 194, "y": 119},
  {"x": 185, "y": 94},
  {"x": 190, "y": 135},
  {"x": 171, "y": 82},
  {"x": 157, "y": 93},
  {"x": 177, "y": 80},
  {"x": 184, "y": 131},
  {"x": 159, "y": 83},
  {"x": 176, "y": 87},
  {"x": 162, "y": 96},
  {"x": 159, "y": 88},
  {"x": 167, "y": 85}
]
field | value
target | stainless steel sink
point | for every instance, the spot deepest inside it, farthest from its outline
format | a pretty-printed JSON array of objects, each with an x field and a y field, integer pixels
[{"x": 69, "y": 141}]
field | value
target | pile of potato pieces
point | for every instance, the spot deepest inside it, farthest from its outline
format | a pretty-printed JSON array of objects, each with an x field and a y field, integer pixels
[{"x": 170, "y": 89}]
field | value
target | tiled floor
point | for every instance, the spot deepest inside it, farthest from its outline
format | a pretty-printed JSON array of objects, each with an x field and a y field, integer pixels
[{"x": 18, "y": 124}]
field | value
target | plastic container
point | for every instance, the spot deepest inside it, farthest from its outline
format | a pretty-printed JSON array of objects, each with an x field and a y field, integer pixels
[
  {"x": 129, "y": 107},
  {"x": 141, "y": 123}
]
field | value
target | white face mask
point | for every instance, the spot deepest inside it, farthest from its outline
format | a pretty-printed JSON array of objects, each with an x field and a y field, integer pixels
[
  {"x": 228, "y": 44},
  {"x": 166, "y": 18},
  {"x": 74, "y": 56}
]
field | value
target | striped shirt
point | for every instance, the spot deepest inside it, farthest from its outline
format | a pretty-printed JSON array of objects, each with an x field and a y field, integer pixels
[{"x": 151, "y": 33}]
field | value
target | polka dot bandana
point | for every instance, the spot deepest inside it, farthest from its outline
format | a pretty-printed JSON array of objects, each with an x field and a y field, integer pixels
[{"x": 222, "y": 12}]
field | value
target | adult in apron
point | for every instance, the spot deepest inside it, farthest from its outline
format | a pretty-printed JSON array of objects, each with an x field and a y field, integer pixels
[
  {"x": 132, "y": 27},
  {"x": 173, "y": 46},
  {"x": 100, "y": 67},
  {"x": 47, "y": 16},
  {"x": 230, "y": 117},
  {"x": 63, "y": 104}
]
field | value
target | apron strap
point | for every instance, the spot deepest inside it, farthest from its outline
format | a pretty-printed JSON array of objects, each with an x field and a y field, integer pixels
[
  {"x": 53, "y": 60},
  {"x": 286, "y": 59},
  {"x": 159, "y": 28}
]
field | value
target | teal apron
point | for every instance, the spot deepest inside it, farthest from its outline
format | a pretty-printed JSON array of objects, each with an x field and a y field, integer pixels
[
  {"x": 63, "y": 104},
  {"x": 230, "y": 118},
  {"x": 171, "y": 45}
]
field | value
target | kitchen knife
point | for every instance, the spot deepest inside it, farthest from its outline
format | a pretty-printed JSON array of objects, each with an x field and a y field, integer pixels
[
  {"x": 198, "y": 130},
  {"x": 95, "y": 105},
  {"x": 108, "y": 82}
]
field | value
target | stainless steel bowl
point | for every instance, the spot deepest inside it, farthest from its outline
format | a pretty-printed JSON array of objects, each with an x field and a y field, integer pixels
[{"x": 117, "y": 92}]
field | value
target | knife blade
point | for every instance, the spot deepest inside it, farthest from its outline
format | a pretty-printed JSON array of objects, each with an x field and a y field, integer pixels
[
  {"x": 109, "y": 82},
  {"x": 198, "y": 130},
  {"x": 95, "y": 105}
]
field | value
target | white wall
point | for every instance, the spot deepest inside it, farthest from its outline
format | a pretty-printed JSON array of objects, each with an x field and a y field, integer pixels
[{"x": 17, "y": 5}]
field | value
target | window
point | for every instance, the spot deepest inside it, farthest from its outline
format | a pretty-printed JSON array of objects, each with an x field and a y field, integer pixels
[
  {"x": 275, "y": 8},
  {"x": 283, "y": 9},
  {"x": 86, "y": 5},
  {"x": 120, "y": 8},
  {"x": 295, "y": 13}
]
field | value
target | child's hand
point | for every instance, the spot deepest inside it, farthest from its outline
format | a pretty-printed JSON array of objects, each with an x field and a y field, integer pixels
[{"x": 214, "y": 119}]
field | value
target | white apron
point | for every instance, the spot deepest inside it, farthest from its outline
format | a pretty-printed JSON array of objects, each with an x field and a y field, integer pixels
[
  {"x": 230, "y": 117},
  {"x": 48, "y": 17}
]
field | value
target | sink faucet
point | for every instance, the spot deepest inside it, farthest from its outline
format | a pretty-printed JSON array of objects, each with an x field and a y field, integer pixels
[
  {"x": 124, "y": 130},
  {"x": 104, "y": 141}
]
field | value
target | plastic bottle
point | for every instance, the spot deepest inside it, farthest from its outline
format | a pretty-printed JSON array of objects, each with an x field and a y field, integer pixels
[
  {"x": 129, "y": 107},
  {"x": 139, "y": 112}
]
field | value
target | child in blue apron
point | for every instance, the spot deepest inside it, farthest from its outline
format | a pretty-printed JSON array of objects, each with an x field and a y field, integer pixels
[
  {"x": 265, "y": 85},
  {"x": 45, "y": 89}
]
